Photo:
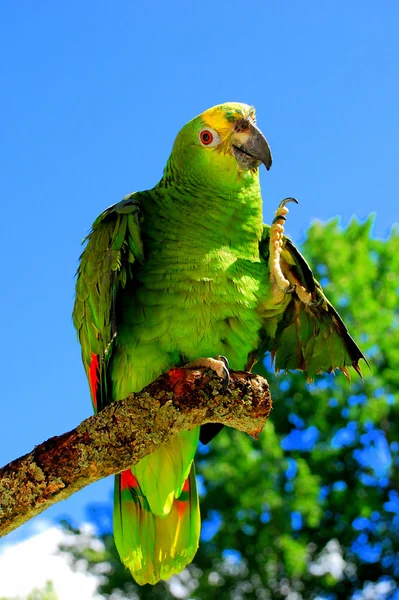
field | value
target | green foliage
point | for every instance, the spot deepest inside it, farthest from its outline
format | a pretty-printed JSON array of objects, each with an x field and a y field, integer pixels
[
  {"x": 46, "y": 593},
  {"x": 320, "y": 481}
]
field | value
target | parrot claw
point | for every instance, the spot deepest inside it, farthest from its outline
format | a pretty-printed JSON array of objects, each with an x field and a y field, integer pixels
[
  {"x": 286, "y": 201},
  {"x": 226, "y": 373},
  {"x": 276, "y": 245},
  {"x": 223, "y": 359},
  {"x": 282, "y": 210},
  {"x": 219, "y": 364}
]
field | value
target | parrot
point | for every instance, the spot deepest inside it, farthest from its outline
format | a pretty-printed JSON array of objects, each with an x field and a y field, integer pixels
[{"x": 186, "y": 273}]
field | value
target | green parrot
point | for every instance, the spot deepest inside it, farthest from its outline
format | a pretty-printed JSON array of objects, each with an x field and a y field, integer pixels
[{"x": 183, "y": 273}]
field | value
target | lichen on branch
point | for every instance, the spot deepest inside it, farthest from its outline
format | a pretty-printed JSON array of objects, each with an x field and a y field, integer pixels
[{"x": 126, "y": 431}]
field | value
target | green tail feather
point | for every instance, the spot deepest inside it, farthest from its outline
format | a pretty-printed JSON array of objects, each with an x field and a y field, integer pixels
[
  {"x": 163, "y": 473},
  {"x": 157, "y": 532}
]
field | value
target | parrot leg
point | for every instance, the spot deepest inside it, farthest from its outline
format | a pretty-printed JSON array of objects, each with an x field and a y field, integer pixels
[
  {"x": 276, "y": 244},
  {"x": 281, "y": 285},
  {"x": 219, "y": 364}
]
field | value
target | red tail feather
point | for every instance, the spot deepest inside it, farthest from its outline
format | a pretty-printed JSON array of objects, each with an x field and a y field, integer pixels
[
  {"x": 94, "y": 377},
  {"x": 128, "y": 480}
]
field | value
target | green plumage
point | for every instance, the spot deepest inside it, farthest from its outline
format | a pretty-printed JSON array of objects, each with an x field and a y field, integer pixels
[{"x": 179, "y": 272}]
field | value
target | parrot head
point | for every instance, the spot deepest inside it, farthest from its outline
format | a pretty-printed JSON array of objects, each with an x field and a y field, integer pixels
[{"x": 222, "y": 145}]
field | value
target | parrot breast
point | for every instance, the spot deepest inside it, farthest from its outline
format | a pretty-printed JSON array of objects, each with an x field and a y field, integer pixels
[
  {"x": 179, "y": 313},
  {"x": 197, "y": 291}
]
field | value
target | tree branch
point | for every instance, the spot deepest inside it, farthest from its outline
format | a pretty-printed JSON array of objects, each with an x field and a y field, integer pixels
[{"x": 123, "y": 433}]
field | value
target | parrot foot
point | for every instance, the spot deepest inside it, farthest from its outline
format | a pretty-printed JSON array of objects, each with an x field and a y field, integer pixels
[
  {"x": 219, "y": 364},
  {"x": 303, "y": 295},
  {"x": 276, "y": 244}
]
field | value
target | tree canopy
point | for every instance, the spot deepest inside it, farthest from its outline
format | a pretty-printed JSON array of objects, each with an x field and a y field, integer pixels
[{"x": 311, "y": 508}]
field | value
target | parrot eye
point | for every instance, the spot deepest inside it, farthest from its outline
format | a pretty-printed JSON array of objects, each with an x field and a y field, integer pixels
[
  {"x": 206, "y": 137},
  {"x": 209, "y": 137}
]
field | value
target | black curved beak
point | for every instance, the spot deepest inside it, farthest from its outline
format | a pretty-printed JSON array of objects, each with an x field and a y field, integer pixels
[{"x": 250, "y": 144}]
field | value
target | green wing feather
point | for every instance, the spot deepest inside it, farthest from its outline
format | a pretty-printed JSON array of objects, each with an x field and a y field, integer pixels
[
  {"x": 311, "y": 336},
  {"x": 113, "y": 246},
  {"x": 156, "y": 511}
]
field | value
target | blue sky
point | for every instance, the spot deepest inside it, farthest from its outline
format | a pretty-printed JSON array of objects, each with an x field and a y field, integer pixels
[{"x": 92, "y": 96}]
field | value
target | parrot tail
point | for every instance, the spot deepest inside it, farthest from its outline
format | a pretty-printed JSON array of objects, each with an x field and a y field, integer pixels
[{"x": 154, "y": 547}]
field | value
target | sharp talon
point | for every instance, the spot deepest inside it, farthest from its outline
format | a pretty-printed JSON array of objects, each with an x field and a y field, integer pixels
[
  {"x": 226, "y": 381},
  {"x": 226, "y": 374},
  {"x": 224, "y": 359},
  {"x": 278, "y": 217},
  {"x": 286, "y": 201}
]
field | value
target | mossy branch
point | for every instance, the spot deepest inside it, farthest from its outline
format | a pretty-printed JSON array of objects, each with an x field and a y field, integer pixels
[{"x": 123, "y": 433}]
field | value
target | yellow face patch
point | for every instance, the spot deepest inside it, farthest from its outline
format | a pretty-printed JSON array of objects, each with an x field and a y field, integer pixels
[{"x": 222, "y": 117}]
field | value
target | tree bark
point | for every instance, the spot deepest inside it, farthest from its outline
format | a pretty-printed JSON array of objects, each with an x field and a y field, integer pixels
[{"x": 126, "y": 431}]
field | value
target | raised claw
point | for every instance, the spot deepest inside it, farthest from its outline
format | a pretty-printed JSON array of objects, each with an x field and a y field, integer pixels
[
  {"x": 280, "y": 282},
  {"x": 286, "y": 201},
  {"x": 278, "y": 217},
  {"x": 282, "y": 210}
]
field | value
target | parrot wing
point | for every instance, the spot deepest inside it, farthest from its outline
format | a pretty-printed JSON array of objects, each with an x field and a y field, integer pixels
[
  {"x": 112, "y": 247},
  {"x": 156, "y": 523},
  {"x": 304, "y": 331}
]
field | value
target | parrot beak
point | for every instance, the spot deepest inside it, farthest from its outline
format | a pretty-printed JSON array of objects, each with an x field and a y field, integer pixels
[{"x": 250, "y": 146}]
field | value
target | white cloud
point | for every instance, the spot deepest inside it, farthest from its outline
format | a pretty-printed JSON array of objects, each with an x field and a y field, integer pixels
[{"x": 30, "y": 563}]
